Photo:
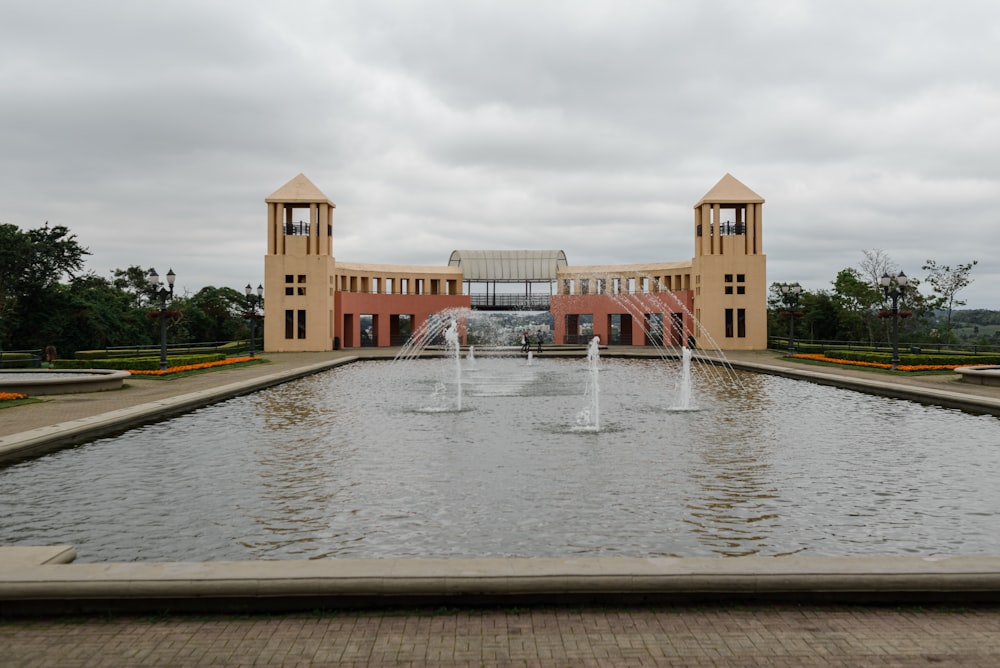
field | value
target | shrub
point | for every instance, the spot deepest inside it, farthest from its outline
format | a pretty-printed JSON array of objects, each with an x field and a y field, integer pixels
[{"x": 137, "y": 363}]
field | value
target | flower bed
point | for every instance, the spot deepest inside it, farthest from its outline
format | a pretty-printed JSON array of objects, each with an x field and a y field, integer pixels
[
  {"x": 12, "y": 396},
  {"x": 880, "y": 365},
  {"x": 192, "y": 367}
]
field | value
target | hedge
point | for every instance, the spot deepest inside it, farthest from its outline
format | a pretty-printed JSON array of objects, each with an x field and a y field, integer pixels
[
  {"x": 229, "y": 347},
  {"x": 913, "y": 359},
  {"x": 137, "y": 363},
  {"x": 17, "y": 360}
]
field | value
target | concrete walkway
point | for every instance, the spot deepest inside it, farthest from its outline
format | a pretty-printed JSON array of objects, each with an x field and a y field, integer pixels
[
  {"x": 628, "y": 631},
  {"x": 789, "y": 636}
]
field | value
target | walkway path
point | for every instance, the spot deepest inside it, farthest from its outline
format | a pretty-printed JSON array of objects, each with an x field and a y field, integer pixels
[
  {"x": 724, "y": 635},
  {"x": 637, "y": 636}
]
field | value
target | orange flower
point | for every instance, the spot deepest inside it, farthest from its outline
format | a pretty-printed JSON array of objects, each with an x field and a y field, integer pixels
[
  {"x": 12, "y": 396},
  {"x": 880, "y": 365},
  {"x": 191, "y": 367}
]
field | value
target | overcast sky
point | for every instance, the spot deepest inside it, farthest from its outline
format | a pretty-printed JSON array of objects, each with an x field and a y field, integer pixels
[{"x": 154, "y": 131}]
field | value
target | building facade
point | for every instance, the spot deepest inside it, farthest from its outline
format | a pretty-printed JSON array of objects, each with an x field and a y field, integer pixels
[{"x": 717, "y": 299}]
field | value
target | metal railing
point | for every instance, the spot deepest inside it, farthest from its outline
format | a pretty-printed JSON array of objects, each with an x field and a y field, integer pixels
[
  {"x": 781, "y": 343},
  {"x": 180, "y": 348},
  {"x": 510, "y": 302},
  {"x": 299, "y": 228}
]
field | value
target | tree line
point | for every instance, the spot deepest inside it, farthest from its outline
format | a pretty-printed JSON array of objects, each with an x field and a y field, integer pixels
[
  {"x": 857, "y": 309},
  {"x": 47, "y": 299}
]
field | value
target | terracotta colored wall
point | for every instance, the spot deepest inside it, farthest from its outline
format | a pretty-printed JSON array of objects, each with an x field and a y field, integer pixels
[
  {"x": 421, "y": 307},
  {"x": 637, "y": 305}
]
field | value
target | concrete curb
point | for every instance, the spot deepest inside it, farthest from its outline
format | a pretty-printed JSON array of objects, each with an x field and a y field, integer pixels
[
  {"x": 36, "y": 581},
  {"x": 54, "y": 437},
  {"x": 349, "y": 583},
  {"x": 937, "y": 397}
]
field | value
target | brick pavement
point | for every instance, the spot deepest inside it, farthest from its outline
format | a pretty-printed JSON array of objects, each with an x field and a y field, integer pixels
[{"x": 705, "y": 636}]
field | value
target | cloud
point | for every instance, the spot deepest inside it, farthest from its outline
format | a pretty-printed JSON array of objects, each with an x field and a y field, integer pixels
[{"x": 155, "y": 132}]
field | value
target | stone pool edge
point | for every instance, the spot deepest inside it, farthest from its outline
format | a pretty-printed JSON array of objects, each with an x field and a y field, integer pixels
[
  {"x": 43, "y": 581},
  {"x": 46, "y": 439},
  {"x": 287, "y": 586}
]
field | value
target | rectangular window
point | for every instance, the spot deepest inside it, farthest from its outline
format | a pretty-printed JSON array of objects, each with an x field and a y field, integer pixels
[
  {"x": 289, "y": 290},
  {"x": 741, "y": 323},
  {"x": 740, "y": 278},
  {"x": 729, "y": 278},
  {"x": 729, "y": 289},
  {"x": 289, "y": 324},
  {"x": 741, "y": 289},
  {"x": 302, "y": 278},
  {"x": 288, "y": 278},
  {"x": 729, "y": 323},
  {"x": 302, "y": 324}
]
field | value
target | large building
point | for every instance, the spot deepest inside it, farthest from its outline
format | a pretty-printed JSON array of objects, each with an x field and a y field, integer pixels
[{"x": 717, "y": 299}]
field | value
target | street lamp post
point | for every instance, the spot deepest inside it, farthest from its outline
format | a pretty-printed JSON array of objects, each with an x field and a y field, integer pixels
[
  {"x": 253, "y": 302},
  {"x": 790, "y": 293},
  {"x": 894, "y": 287},
  {"x": 163, "y": 293}
]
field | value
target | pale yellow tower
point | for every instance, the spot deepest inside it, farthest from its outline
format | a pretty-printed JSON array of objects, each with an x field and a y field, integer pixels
[
  {"x": 299, "y": 269},
  {"x": 729, "y": 268}
]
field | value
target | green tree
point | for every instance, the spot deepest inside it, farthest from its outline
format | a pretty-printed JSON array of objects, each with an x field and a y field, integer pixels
[
  {"x": 820, "y": 319},
  {"x": 214, "y": 314},
  {"x": 946, "y": 283},
  {"x": 134, "y": 282},
  {"x": 88, "y": 313},
  {"x": 856, "y": 301},
  {"x": 31, "y": 264}
]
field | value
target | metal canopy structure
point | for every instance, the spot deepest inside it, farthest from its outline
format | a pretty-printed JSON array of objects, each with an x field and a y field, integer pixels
[{"x": 509, "y": 266}]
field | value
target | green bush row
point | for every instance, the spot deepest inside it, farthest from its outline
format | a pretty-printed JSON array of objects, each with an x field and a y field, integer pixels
[
  {"x": 912, "y": 358},
  {"x": 229, "y": 347},
  {"x": 16, "y": 360},
  {"x": 137, "y": 363}
]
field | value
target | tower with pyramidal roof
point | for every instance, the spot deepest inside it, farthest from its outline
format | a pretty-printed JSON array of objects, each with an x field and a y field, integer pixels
[
  {"x": 299, "y": 268},
  {"x": 729, "y": 268}
]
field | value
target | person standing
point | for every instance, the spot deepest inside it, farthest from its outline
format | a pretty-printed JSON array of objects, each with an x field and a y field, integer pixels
[{"x": 538, "y": 341}]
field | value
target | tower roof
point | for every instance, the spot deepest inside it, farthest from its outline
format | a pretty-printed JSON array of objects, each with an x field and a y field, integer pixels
[
  {"x": 299, "y": 190},
  {"x": 729, "y": 190}
]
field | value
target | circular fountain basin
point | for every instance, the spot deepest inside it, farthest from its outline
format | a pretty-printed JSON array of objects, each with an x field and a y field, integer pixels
[
  {"x": 980, "y": 375},
  {"x": 37, "y": 382}
]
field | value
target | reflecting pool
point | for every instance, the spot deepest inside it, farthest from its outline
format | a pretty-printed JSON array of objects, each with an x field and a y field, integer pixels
[{"x": 371, "y": 460}]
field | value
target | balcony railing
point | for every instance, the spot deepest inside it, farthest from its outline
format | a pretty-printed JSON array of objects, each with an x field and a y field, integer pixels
[
  {"x": 510, "y": 302},
  {"x": 297, "y": 229}
]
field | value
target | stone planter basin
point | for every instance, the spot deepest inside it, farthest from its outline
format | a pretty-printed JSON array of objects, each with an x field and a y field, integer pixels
[{"x": 36, "y": 382}]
